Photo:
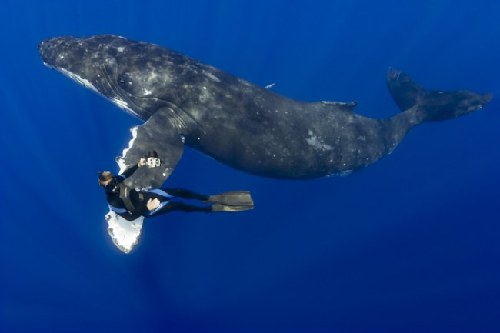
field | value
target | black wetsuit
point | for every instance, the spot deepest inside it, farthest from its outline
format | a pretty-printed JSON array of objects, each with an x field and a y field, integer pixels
[{"x": 170, "y": 199}]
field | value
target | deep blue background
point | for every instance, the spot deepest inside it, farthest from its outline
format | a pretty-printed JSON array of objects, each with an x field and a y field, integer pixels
[{"x": 410, "y": 244}]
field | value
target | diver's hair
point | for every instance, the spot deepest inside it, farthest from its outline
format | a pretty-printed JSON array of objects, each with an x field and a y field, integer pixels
[{"x": 105, "y": 176}]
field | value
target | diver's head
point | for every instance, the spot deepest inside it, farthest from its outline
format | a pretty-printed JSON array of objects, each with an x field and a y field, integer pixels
[{"x": 106, "y": 179}]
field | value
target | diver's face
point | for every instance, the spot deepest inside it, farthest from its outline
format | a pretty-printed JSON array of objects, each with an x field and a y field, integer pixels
[{"x": 110, "y": 185}]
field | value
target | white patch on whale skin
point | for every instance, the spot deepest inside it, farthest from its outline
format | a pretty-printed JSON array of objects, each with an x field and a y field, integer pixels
[
  {"x": 123, "y": 105},
  {"x": 392, "y": 148},
  {"x": 316, "y": 142},
  {"x": 204, "y": 95},
  {"x": 211, "y": 76},
  {"x": 152, "y": 76},
  {"x": 84, "y": 82},
  {"x": 335, "y": 103},
  {"x": 121, "y": 160},
  {"x": 340, "y": 173}
]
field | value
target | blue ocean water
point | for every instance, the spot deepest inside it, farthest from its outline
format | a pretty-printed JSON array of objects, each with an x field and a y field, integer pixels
[{"x": 409, "y": 244}]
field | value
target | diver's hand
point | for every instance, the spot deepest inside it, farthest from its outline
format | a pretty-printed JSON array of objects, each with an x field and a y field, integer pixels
[
  {"x": 142, "y": 162},
  {"x": 152, "y": 204}
]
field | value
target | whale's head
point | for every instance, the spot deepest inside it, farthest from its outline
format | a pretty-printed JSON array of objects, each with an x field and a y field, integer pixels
[{"x": 120, "y": 70}]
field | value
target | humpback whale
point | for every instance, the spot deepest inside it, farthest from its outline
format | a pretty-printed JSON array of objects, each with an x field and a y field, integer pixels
[{"x": 250, "y": 128}]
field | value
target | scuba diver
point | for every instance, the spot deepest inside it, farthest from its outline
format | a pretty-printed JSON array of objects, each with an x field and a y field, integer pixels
[{"x": 130, "y": 203}]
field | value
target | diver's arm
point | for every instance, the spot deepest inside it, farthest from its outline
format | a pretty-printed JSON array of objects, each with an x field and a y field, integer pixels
[{"x": 127, "y": 173}]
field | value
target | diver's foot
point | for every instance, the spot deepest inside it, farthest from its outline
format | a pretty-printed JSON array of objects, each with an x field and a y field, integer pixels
[{"x": 226, "y": 208}]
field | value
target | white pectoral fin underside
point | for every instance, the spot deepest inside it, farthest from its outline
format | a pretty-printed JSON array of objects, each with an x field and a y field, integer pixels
[
  {"x": 124, "y": 234},
  {"x": 156, "y": 134}
]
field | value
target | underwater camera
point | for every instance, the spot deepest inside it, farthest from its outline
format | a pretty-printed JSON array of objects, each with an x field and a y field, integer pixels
[{"x": 152, "y": 160}]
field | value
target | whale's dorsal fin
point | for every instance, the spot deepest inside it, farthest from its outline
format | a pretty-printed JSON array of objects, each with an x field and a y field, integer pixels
[{"x": 156, "y": 134}]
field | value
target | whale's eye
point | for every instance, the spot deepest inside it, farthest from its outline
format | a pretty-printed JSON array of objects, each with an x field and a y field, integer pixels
[
  {"x": 125, "y": 82},
  {"x": 122, "y": 80}
]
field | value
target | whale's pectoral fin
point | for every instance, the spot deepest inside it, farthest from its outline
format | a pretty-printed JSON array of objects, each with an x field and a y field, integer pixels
[{"x": 155, "y": 135}]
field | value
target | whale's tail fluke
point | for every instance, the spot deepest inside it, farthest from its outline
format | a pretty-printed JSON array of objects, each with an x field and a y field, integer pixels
[{"x": 426, "y": 105}]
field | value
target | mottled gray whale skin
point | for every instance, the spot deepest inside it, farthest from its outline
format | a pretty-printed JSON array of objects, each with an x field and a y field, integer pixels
[{"x": 238, "y": 123}]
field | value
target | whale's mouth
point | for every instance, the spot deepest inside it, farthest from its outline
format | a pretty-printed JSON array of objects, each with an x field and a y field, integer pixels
[
  {"x": 44, "y": 48},
  {"x": 57, "y": 53},
  {"x": 81, "y": 61},
  {"x": 75, "y": 77}
]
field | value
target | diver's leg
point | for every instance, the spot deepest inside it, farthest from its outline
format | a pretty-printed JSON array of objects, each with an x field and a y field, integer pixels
[
  {"x": 186, "y": 194},
  {"x": 172, "y": 206}
]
